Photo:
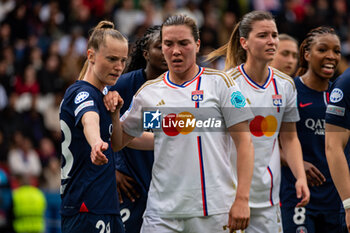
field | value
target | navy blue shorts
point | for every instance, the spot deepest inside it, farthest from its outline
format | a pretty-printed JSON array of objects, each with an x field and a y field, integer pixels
[
  {"x": 304, "y": 220},
  {"x": 92, "y": 223},
  {"x": 132, "y": 213}
]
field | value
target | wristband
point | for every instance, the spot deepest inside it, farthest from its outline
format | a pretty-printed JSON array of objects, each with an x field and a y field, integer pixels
[{"x": 346, "y": 203}]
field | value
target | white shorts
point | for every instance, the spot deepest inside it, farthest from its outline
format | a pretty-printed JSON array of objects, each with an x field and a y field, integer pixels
[
  {"x": 264, "y": 220},
  {"x": 209, "y": 224}
]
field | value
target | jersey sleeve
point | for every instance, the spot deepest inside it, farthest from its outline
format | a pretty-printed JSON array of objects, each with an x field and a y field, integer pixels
[
  {"x": 85, "y": 100},
  {"x": 234, "y": 106},
  {"x": 132, "y": 118},
  {"x": 338, "y": 109},
  {"x": 291, "y": 113}
]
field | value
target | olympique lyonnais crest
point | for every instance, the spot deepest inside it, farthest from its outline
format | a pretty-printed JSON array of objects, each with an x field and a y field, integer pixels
[
  {"x": 277, "y": 100},
  {"x": 197, "y": 95}
]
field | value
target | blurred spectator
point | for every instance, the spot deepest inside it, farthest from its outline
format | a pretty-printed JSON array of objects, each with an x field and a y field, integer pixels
[
  {"x": 49, "y": 77},
  {"x": 23, "y": 160},
  {"x": 5, "y": 35},
  {"x": 127, "y": 18},
  {"x": 6, "y": 6},
  {"x": 4, "y": 148},
  {"x": 29, "y": 205},
  {"x": 36, "y": 58},
  {"x": 46, "y": 151},
  {"x": 76, "y": 40},
  {"x": 191, "y": 9},
  {"x": 27, "y": 83}
]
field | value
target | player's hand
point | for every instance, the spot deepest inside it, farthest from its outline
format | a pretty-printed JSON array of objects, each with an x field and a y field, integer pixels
[
  {"x": 303, "y": 192},
  {"x": 113, "y": 101},
  {"x": 126, "y": 185},
  {"x": 313, "y": 175},
  {"x": 347, "y": 219},
  {"x": 239, "y": 215},
  {"x": 97, "y": 156}
]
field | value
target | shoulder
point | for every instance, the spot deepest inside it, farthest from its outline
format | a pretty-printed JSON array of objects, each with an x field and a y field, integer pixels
[
  {"x": 150, "y": 84},
  {"x": 343, "y": 81},
  {"x": 222, "y": 76},
  {"x": 283, "y": 78}
]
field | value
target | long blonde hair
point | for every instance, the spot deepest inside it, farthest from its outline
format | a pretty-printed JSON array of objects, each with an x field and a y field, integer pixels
[
  {"x": 235, "y": 54},
  {"x": 97, "y": 38}
]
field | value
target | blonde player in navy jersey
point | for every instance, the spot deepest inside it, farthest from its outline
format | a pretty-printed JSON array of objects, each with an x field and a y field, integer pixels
[
  {"x": 89, "y": 192},
  {"x": 272, "y": 95},
  {"x": 319, "y": 57},
  {"x": 192, "y": 187}
]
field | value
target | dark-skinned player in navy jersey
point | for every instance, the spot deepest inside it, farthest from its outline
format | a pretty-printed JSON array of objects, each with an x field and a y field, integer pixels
[
  {"x": 89, "y": 192},
  {"x": 319, "y": 57},
  {"x": 134, "y": 167}
]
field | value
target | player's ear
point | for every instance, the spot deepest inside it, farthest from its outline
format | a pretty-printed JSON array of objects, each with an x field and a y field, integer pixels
[
  {"x": 145, "y": 54},
  {"x": 307, "y": 56},
  {"x": 91, "y": 56}
]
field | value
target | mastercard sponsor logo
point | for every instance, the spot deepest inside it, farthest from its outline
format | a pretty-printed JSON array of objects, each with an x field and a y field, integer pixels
[
  {"x": 185, "y": 122},
  {"x": 263, "y": 126}
]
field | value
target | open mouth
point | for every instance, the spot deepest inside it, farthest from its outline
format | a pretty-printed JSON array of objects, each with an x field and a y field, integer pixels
[{"x": 328, "y": 68}]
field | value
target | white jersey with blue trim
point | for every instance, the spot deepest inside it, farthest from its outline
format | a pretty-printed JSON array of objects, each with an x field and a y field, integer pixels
[
  {"x": 192, "y": 175},
  {"x": 272, "y": 103}
]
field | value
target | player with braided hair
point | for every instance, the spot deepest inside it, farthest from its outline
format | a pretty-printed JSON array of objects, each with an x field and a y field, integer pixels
[
  {"x": 134, "y": 167},
  {"x": 89, "y": 192},
  {"x": 319, "y": 57}
]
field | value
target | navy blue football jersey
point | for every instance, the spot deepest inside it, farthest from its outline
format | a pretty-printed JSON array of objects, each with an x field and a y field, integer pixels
[
  {"x": 85, "y": 187},
  {"x": 311, "y": 133},
  {"x": 134, "y": 163}
]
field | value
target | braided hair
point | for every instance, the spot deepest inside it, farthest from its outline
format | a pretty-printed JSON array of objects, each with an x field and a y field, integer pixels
[
  {"x": 306, "y": 46},
  {"x": 137, "y": 60}
]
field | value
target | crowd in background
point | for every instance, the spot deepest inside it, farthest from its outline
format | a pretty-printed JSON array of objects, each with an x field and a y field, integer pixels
[{"x": 42, "y": 49}]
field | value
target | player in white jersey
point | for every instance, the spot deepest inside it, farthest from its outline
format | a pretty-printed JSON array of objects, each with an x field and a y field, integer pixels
[
  {"x": 190, "y": 109},
  {"x": 272, "y": 96}
]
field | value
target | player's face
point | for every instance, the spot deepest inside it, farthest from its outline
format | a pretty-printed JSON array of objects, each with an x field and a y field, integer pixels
[
  {"x": 179, "y": 48},
  {"x": 324, "y": 55},
  {"x": 109, "y": 61},
  {"x": 262, "y": 41},
  {"x": 155, "y": 56},
  {"x": 286, "y": 58}
]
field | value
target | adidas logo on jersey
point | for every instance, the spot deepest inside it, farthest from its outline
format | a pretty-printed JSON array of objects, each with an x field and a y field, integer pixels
[{"x": 161, "y": 103}]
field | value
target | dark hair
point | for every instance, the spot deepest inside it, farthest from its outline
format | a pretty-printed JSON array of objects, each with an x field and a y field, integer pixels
[
  {"x": 98, "y": 36},
  {"x": 181, "y": 19},
  {"x": 137, "y": 60},
  {"x": 306, "y": 46},
  {"x": 233, "y": 50}
]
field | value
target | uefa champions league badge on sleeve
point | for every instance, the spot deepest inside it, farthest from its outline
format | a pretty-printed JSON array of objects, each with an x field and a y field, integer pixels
[
  {"x": 336, "y": 95},
  {"x": 277, "y": 100},
  {"x": 81, "y": 96},
  {"x": 237, "y": 99},
  {"x": 105, "y": 91},
  {"x": 152, "y": 119},
  {"x": 197, "y": 95}
]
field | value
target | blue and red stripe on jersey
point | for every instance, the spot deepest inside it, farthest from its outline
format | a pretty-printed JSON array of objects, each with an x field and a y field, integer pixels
[
  {"x": 185, "y": 84},
  {"x": 254, "y": 84}
]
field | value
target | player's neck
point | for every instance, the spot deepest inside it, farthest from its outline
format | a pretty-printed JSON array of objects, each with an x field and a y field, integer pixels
[
  {"x": 93, "y": 79},
  {"x": 314, "y": 82},
  {"x": 152, "y": 73},
  {"x": 258, "y": 71},
  {"x": 187, "y": 75}
]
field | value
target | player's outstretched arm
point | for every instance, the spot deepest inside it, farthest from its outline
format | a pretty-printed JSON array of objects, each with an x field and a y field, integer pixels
[
  {"x": 91, "y": 124},
  {"x": 240, "y": 212},
  {"x": 292, "y": 152},
  {"x": 336, "y": 140}
]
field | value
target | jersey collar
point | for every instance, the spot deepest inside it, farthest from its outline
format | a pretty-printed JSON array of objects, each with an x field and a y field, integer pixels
[
  {"x": 254, "y": 84},
  {"x": 185, "y": 84}
]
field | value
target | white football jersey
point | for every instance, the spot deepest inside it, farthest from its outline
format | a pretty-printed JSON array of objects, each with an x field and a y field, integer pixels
[
  {"x": 192, "y": 174},
  {"x": 272, "y": 103}
]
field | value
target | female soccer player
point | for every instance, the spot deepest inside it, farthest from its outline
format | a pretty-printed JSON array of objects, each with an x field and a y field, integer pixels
[
  {"x": 319, "y": 57},
  {"x": 134, "y": 167},
  {"x": 272, "y": 95},
  {"x": 192, "y": 178},
  {"x": 89, "y": 192},
  {"x": 286, "y": 58}
]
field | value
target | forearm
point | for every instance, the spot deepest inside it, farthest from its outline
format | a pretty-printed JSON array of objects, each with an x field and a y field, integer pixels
[
  {"x": 117, "y": 134},
  {"x": 293, "y": 155},
  {"x": 145, "y": 142},
  {"x": 91, "y": 124},
  {"x": 245, "y": 166},
  {"x": 336, "y": 140}
]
